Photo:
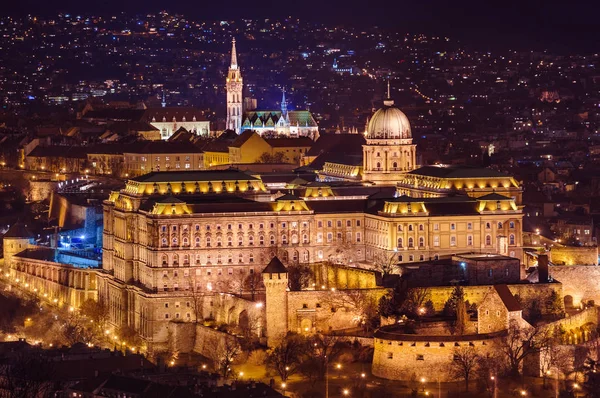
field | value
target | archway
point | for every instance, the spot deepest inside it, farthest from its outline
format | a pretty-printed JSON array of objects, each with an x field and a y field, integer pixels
[
  {"x": 305, "y": 325},
  {"x": 243, "y": 321},
  {"x": 568, "y": 301}
]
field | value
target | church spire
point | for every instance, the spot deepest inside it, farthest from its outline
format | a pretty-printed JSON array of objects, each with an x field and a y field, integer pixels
[
  {"x": 283, "y": 103},
  {"x": 233, "y": 55}
]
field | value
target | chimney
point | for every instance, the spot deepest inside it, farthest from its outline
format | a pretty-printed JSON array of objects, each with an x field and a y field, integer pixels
[{"x": 543, "y": 268}]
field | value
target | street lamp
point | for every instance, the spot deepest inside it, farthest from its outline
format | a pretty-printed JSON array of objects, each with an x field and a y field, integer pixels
[
  {"x": 423, "y": 382},
  {"x": 346, "y": 392},
  {"x": 283, "y": 386}
]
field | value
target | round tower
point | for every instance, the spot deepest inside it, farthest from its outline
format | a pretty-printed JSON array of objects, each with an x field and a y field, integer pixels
[
  {"x": 275, "y": 277},
  {"x": 16, "y": 239}
]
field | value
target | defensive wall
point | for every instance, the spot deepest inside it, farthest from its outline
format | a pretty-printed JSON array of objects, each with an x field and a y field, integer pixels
[
  {"x": 579, "y": 283},
  {"x": 567, "y": 255}
]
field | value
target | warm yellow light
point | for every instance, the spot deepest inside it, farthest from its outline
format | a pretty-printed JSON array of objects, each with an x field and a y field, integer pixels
[
  {"x": 346, "y": 391},
  {"x": 339, "y": 366},
  {"x": 422, "y": 380},
  {"x": 283, "y": 385}
]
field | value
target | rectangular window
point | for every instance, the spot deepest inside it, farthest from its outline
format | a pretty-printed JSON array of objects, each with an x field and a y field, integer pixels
[
  {"x": 358, "y": 237},
  {"x": 453, "y": 241},
  {"x": 436, "y": 227},
  {"x": 453, "y": 227},
  {"x": 390, "y": 355},
  {"x": 420, "y": 357},
  {"x": 348, "y": 223},
  {"x": 469, "y": 226},
  {"x": 436, "y": 240},
  {"x": 329, "y": 224},
  {"x": 319, "y": 237},
  {"x": 320, "y": 224},
  {"x": 358, "y": 223}
]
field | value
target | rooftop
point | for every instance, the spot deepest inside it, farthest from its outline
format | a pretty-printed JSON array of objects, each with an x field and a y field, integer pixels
[
  {"x": 203, "y": 175},
  {"x": 457, "y": 172}
]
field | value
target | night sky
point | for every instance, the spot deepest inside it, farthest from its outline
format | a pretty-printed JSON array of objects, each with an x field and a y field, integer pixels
[{"x": 564, "y": 26}]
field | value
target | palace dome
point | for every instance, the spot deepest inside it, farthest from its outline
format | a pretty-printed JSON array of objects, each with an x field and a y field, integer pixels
[{"x": 389, "y": 122}]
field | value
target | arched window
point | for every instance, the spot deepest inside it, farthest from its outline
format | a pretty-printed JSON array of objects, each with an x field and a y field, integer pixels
[
  {"x": 186, "y": 242},
  {"x": 250, "y": 240},
  {"x": 421, "y": 241},
  {"x": 240, "y": 258},
  {"x": 410, "y": 227},
  {"x": 174, "y": 241},
  {"x": 399, "y": 227},
  {"x": 261, "y": 240},
  {"x": 208, "y": 241},
  {"x": 411, "y": 242},
  {"x": 395, "y": 165},
  {"x": 165, "y": 259},
  {"x": 499, "y": 224},
  {"x": 197, "y": 242},
  {"x": 284, "y": 239},
  {"x": 400, "y": 242},
  {"x": 511, "y": 225},
  {"x": 511, "y": 239},
  {"x": 421, "y": 227},
  {"x": 229, "y": 241},
  {"x": 305, "y": 238},
  {"x": 488, "y": 240},
  {"x": 175, "y": 259},
  {"x": 164, "y": 241},
  {"x": 240, "y": 240},
  {"x": 272, "y": 240},
  {"x": 219, "y": 241},
  {"x": 251, "y": 258},
  {"x": 378, "y": 165},
  {"x": 294, "y": 239},
  {"x": 186, "y": 259}
]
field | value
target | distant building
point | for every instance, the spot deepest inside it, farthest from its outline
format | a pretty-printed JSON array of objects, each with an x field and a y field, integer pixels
[{"x": 242, "y": 114}]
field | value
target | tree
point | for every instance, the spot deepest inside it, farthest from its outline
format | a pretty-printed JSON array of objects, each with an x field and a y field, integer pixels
[
  {"x": 96, "y": 311},
  {"x": 458, "y": 295},
  {"x": 461, "y": 318},
  {"x": 534, "y": 312},
  {"x": 253, "y": 283},
  {"x": 386, "y": 264},
  {"x": 554, "y": 305},
  {"x": 300, "y": 276},
  {"x": 27, "y": 375},
  {"x": 361, "y": 302},
  {"x": 129, "y": 336},
  {"x": 224, "y": 354},
  {"x": 464, "y": 364},
  {"x": 322, "y": 350},
  {"x": 285, "y": 358},
  {"x": 592, "y": 378},
  {"x": 519, "y": 343},
  {"x": 414, "y": 303}
]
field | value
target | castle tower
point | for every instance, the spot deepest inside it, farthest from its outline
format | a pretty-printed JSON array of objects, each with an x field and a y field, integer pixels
[
  {"x": 16, "y": 239},
  {"x": 235, "y": 88},
  {"x": 275, "y": 278},
  {"x": 389, "y": 151}
]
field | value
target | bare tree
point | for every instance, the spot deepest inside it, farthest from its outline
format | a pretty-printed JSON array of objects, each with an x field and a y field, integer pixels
[
  {"x": 415, "y": 301},
  {"x": 386, "y": 264},
  {"x": 223, "y": 356},
  {"x": 359, "y": 301},
  {"x": 196, "y": 297},
  {"x": 96, "y": 311},
  {"x": 253, "y": 283},
  {"x": 519, "y": 343},
  {"x": 285, "y": 358},
  {"x": 324, "y": 349},
  {"x": 464, "y": 364}
]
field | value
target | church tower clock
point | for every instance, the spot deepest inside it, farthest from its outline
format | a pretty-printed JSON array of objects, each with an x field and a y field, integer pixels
[{"x": 234, "y": 94}]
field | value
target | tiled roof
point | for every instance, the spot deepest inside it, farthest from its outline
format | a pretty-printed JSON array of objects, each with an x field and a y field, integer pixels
[
  {"x": 345, "y": 143},
  {"x": 290, "y": 142},
  {"x": 167, "y": 114},
  {"x": 59, "y": 151},
  {"x": 300, "y": 118},
  {"x": 510, "y": 302},
  {"x": 242, "y": 138},
  {"x": 18, "y": 230},
  {"x": 201, "y": 175},
  {"x": 275, "y": 266},
  {"x": 44, "y": 254},
  {"x": 456, "y": 172}
]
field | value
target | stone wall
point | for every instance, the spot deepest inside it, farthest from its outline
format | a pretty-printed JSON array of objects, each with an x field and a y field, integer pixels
[
  {"x": 326, "y": 310},
  {"x": 403, "y": 357},
  {"x": 574, "y": 255},
  {"x": 342, "y": 277},
  {"x": 579, "y": 283},
  {"x": 476, "y": 294},
  {"x": 41, "y": 190}
]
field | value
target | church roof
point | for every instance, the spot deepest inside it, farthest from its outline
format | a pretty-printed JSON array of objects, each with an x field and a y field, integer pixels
[
  {"x": 275, "y": 267},
  {"x": 18, "y": 230},
  {"x": 300, "y": 118}
]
